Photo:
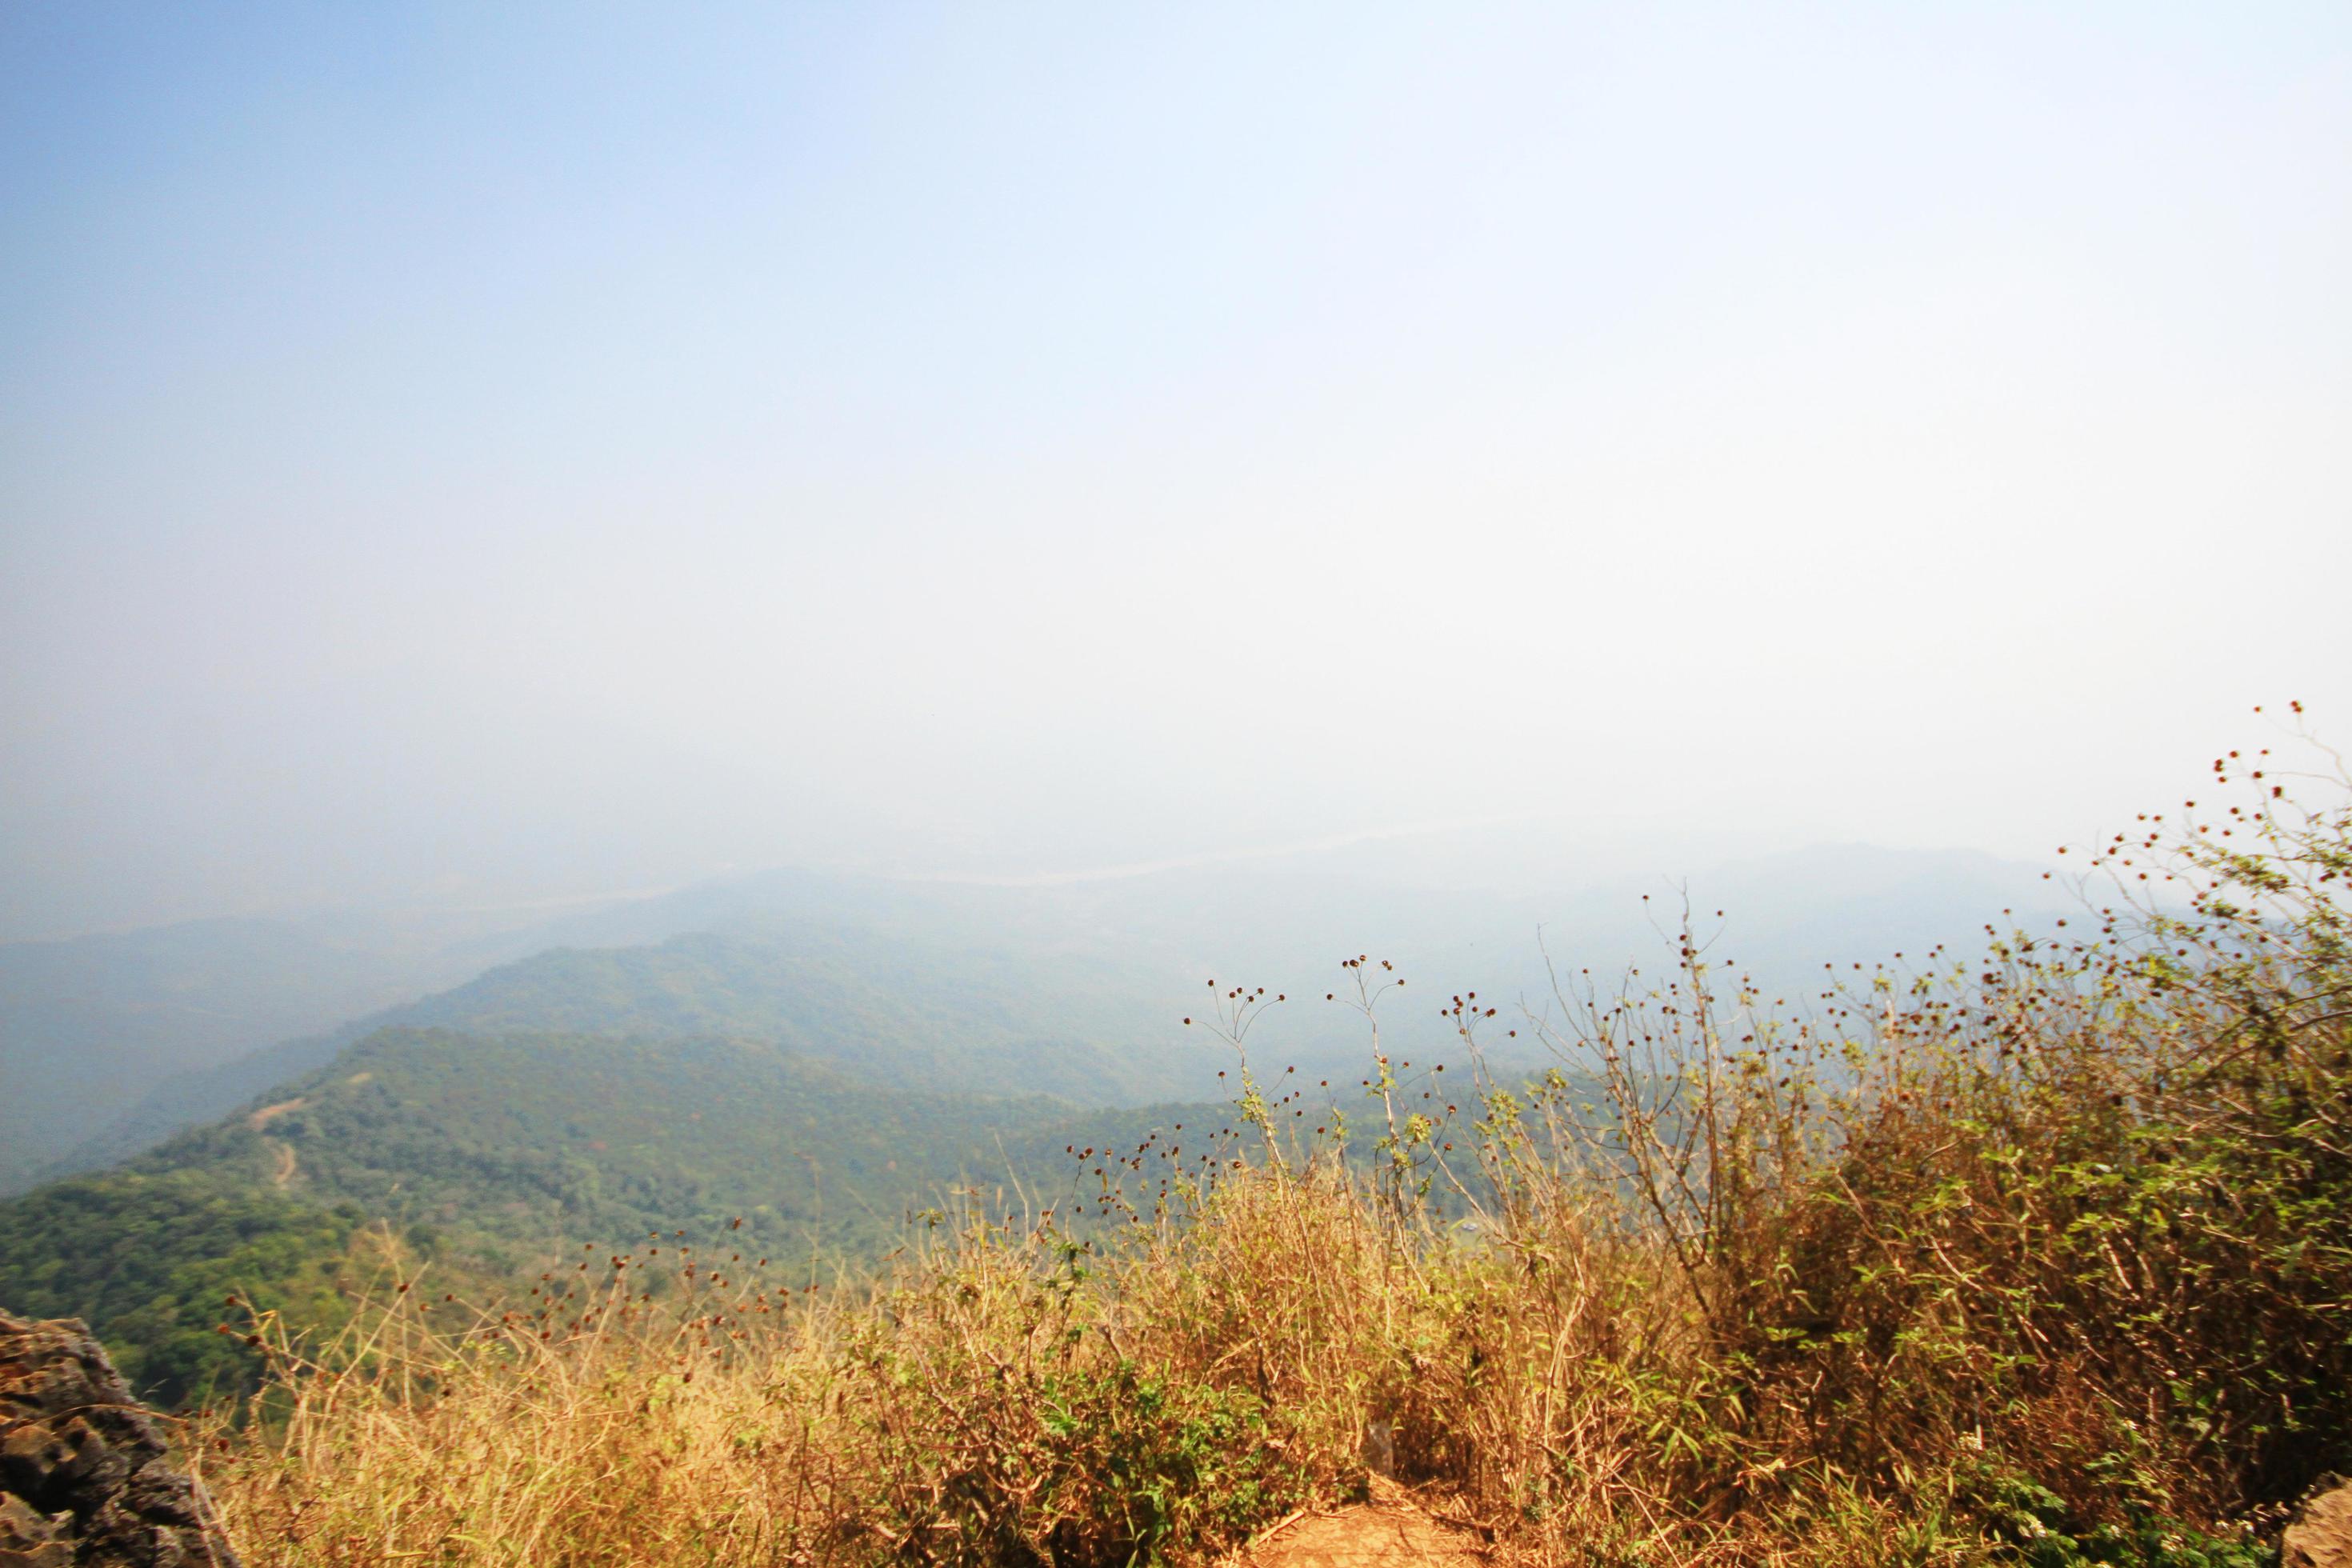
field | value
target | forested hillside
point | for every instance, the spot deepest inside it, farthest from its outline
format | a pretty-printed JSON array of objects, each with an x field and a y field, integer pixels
[
  {"x": 2039, "y": 1256},
  {"x": 151, "y": 1258},
  {"x": 887, "y": 1010},
  {"x": 1072, "y": 990},
  {"x": 816, "y": 1080},
  {"x": 496, "y": 1156},
  {"x": 87, "y": 1027}
]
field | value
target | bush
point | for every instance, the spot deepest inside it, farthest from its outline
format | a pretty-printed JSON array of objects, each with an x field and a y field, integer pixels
[{"x": 2042, "y": 1259}]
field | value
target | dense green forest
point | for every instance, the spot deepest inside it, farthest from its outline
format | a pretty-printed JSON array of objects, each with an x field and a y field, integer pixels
[
  {"x": 511, "y": 1142},
  {"x": 87, "y": 1025},
  {"x": 885, "y": 1009},
  {"x": 150, "y": 1259},
  {"x": 108, "y": 1046},
  {"x": 820, "y": 1083},
  {"x": 494, "y": 1156}
]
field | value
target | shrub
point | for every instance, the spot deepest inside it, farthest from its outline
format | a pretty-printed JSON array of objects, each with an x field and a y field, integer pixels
[{"x": 2045, "y": 1258}]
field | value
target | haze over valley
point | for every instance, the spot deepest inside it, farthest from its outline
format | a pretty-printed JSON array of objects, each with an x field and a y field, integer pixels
[{"x": 1165, "y": 771}]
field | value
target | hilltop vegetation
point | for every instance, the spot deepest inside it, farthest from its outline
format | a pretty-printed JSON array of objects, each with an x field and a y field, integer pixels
[
  {"x": 493, "y": 1157},
  {"x": 513, "y": 1145},
  {"x": 889, "y": 1011},
  {"x": 591, "y": 1095},
  {"x": 151, "y": 1258},
  {"x": 87, "y": 1025},
  {"x": 1072, "y": 991},
  {"x": 2043, "y": 1259}
]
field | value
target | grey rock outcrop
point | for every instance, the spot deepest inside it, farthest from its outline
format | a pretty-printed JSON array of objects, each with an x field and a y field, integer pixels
[{"x": 85, "y": 1476}]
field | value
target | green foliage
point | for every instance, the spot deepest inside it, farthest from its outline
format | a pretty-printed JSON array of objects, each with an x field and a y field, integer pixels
[
  {"x": 152, "y": 1260},
  {"x": 2085, "y": 1201},
  {"x": 2035, "y": 1526},
  {"x": 889, "y": 1011},
  {"x": 1163, "y": 1466},
  {"x": 517, "y": 1147},
  {"x": 498, "y": 1157}
]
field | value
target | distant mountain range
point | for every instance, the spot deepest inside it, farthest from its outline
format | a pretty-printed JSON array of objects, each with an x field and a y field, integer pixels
[
  {"x": 812, "y": 1057},
  {"x": 110, "y": 1044},
  {"x": 896, "y": 1013},
  {"x": 495, "y": 1156}
]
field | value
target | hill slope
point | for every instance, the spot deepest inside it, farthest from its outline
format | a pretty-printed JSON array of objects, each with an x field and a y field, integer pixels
[
  {"x": 886, "y": 1009},
  {"x": 498, "y": 1156},
  {"x": 1070, "y": 989},
  {"x": 90, "y": 1025},
  {"x": 87, "y": 1026}
]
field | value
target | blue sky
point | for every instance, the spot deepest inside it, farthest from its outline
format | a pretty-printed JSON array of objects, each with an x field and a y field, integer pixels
[{"x": 476, "y": 452}]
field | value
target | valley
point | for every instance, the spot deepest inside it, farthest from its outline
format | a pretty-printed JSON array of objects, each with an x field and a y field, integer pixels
[{"x": 824, "y": 1064}]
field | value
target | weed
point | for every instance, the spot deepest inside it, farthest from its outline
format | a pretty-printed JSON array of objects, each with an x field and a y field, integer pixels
[{"x": 2040, "y": 1258}]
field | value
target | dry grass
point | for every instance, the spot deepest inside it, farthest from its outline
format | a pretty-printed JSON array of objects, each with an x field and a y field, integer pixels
[
  {"x": 2043, "y": 1258},
  {"x": 1009, "y": 1396}
]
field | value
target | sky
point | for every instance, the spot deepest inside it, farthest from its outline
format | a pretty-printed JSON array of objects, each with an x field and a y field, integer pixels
[{"x": 460, "y": 454}]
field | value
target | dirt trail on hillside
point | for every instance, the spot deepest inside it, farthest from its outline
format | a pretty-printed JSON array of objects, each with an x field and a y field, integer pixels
[
  {"x": 1386, "y": 1533},
  {"x": 283, "y": 1176}
]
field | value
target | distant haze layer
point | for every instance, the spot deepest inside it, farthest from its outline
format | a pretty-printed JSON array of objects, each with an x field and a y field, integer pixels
[
  {"x": 458, "y": 456},
  {"x": 1079, "y": 990}
]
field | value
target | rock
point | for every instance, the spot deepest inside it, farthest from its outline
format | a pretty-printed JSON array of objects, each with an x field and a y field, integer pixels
[
  {"x": 29, "y": 1539},
  {"x": 2321, "y": 1534},
  {"x": 85, "y": 1476}
]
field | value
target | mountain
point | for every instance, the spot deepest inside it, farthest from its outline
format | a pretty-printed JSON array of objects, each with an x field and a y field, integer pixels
[
  {"x": 494, "y": 1156},
  {"x": 506, "y": 1145},
  {"x": 90, "y": 1025},
  {"x": 1072, "y": 989},
  {"x": 493, "y": 1159},
  {"x": 890, "y": 1010},
  {"x": 836, "y": 1053},
  {"x": 87, "y": 1026}
]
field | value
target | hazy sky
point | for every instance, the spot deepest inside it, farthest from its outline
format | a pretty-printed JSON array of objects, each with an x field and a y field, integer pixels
[{"x": 469, "y": 452}]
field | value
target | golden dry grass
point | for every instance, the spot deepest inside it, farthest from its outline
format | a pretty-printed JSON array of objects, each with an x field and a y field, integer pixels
[{"x": 2045, "y": 1260}]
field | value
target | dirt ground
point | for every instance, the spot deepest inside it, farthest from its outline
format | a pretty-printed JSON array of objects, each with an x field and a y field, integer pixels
[{"x": 1387, "y": 1533}]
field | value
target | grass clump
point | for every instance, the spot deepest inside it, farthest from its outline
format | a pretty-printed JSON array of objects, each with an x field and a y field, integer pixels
[{"x": 2042, "y": 1257}]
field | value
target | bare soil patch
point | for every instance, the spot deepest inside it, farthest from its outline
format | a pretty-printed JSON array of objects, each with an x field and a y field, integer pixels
[{"x": 1387, "y": 1533}]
